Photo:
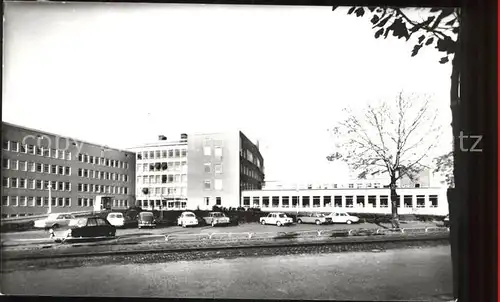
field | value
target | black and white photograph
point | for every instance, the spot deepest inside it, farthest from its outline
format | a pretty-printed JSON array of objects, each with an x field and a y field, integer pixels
[{"x": 229, "y": 151}]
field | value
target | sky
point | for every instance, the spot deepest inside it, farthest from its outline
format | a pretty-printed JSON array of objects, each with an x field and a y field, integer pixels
[{"x": 121, "y": 74}]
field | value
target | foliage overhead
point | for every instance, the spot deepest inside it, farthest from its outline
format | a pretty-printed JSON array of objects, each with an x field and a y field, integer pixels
[
  {"x": 395, "y": 136},
  {"x": 439, "y": 28}
]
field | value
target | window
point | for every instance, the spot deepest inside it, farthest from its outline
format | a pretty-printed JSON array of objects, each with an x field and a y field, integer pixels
[
  {"x": 14, "y": 164},
  {"x": 46, "y": 168},
  {"x": 60, "y": 186},
  {"x": 54, "y": 169},
  {"x": 14, "y": 146},
  {"x": 85, "y": 187},
  {"x": 275, "y": 201},
  {"x": 246, "y": 201},
  {"x": 327, "y": 201},
  {"x": 218, "y": 201},
  {"x": 60, "y": 202},
  {"x": 265, "y": 201},
  {"x": 434, "y": 201},
  {"x": 349, "y": 201},
  {"x": 61, "y": 154},
  {"x": 6, "y": 163},
  {"x": 22, "y": 183},
  {"x": 46, "y": 152},
  {"x": 38, "y": 201},
  {"x": 376, "y": 185},
  {"x": 218, "y": 152},
  {"x": 5, "y": 182},
  {"x": 207, "y": 151},
  {"x": 316, "y": 201},
  {"x": 360, "y": 201},
  {"x": 207, "y": 167},
  {"x": 13, "y": 182},
  {"x": 218, "y": 184},
  {"x": 207, "y": 185},
  {"x": 68, "y": 155},
  {"x": 372, "y": 199},
  {"x": 67, "y": 186},
  {"x": 13, "y": 201},
  {"x": 420, "y": 201},
  {"x": 80, "y": 202},
  {"x": 170, "y": 153},
  {"x": 5, "y": 200},
  {"x": 164, "y": 154},
  {"x": 408, "y": 201},
  {"x": 218, "y": 168},
  {"x": 157, "y": 153},
  {"x": 38, "y": 151},
  {"x": 384, "y": 201},
  {"x": 45, "y": 201},
  {"x": 22, "y": 165},
  {"x": 6, "y": 145},
  {"x": 39, "y": 167}
]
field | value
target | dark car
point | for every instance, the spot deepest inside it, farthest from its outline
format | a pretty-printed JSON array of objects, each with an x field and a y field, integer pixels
[
  {"x": 90, "y": 227},
  {"x": 146, "y": 219}
]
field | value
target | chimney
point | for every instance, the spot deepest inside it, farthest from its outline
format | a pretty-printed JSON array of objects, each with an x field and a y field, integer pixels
[{"x": 162, "y": 137}]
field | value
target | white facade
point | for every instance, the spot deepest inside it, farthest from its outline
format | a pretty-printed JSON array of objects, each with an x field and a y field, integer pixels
[
  {"x": 161, "y": 168},
  {"x": 423, "y": 201}
]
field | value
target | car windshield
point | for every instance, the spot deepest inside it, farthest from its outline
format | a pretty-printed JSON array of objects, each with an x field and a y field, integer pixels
[
  {"x": 218, "y": 215},
  {"x": 189, "y": 215},
  {"x": 282, "y": 216}
]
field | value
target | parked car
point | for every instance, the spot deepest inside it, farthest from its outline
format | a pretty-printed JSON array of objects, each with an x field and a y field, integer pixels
[
  {"x": 317, "y": 218},
  {"x": 278, "y": 219},
  {"x": 89, "y": 227},
  {"x": 146, "y": 219},
  {"x": 342, "y": 217},
  {"x": 116, "y": 219},
  {"x": 216, "y": 218},
  {"x": 446, "y": 221},
  {"x": 54, "y": 221},
  {"x": 187, "y": 219}
]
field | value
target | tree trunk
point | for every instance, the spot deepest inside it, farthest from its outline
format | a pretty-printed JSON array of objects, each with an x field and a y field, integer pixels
[{"x": 394, "y": 205}]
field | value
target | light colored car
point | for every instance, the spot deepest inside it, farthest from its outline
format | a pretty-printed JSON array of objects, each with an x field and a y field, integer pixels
[
  {"x": 342, "y": 217},
  {"x": 116, "y": 219},
  {"x": 215, "y": 218},
  {"x": 54, "y": 221},
  {"x": 278, "y": 219},
  {"x": 317, "y": 218},
  {"x": 187, "y": 219}
]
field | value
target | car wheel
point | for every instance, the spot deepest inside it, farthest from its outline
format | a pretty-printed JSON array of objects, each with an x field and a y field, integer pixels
[
  {"x": 278, "y": 223},
  {"x": 318, "y": 222},
  {"x": 263, "y": 222},
  {"x": 348, "y": 222},
  {"x": 299, "y": 221}
]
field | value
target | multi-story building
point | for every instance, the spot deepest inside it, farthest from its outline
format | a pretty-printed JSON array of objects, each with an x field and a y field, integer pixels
[
  {"x": 161, "y": 174},
  {"x": 198, "y": 171},
  {"x": 37, "y": 164}
]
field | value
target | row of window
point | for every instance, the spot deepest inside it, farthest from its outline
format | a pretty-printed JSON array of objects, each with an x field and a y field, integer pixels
[
  {"x": 35, "y": 201},
  {"x": 35, "y": 184},
  {"x": 28, "y": 166},
  {"x": 162, "y": 166},
  {"x": 92, "y": 188},
  {"x": 36, "y": 150},
  {"x": 163, "y": 191},
  {"x": 251, "y": 173},
  {"x": 102, "y": 175},
  {"x": 217, "y": 168},
  {"x": 102, "y": 161},
  {"x": 249, "y": 187},
  {"x": 161, "y": 204},
  {"x": 248, "y": 155},
  {"x": 217, "y": 184},
  {"x": 343, "y": 201},
  {"x": 162, "y": 179},
  {"x": 218, "y": 200},
  {"x": 207, "y": 151},
  {"x": 159, "y": 154}
]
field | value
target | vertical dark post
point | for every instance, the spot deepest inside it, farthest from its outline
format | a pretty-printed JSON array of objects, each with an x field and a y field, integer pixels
[{"x": 454, "y": 207}]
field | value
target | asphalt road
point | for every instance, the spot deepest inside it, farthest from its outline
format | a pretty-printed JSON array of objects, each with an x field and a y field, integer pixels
[
  {"x": 250, "y": 227},
  {"x": 400, "y": 274}
]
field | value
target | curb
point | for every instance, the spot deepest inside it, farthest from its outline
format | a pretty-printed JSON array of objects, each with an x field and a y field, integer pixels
[{"x": 358, "y": 240}]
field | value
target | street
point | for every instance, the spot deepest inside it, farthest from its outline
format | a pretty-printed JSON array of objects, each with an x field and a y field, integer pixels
[
  {"x": 400, "y": 274},
  {"x": 248, "y": 227}
]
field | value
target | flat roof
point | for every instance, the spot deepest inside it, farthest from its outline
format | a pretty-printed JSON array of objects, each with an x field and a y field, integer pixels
[{"x": 50, "y": 133}]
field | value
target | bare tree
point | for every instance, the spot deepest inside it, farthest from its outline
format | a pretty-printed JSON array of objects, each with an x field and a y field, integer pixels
[{"x": 395, "y": 136}]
